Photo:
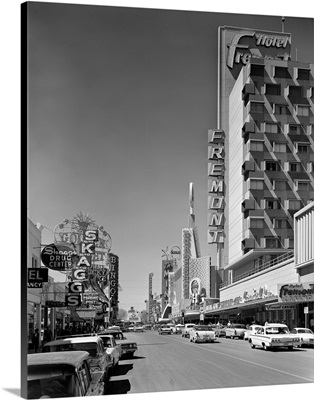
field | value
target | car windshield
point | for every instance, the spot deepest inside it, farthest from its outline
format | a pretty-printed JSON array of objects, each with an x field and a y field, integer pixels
[
  {"x": 91, "y": 348},
  {"x": 106, "y": 341},
  {"x": 53, "y": 383},
  {"x": 304, "y": 331},
  {"x": 202, "y": 328}
]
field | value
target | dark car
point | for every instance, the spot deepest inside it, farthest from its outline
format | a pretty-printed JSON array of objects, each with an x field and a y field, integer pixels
[{"x": 62, "y": 374}]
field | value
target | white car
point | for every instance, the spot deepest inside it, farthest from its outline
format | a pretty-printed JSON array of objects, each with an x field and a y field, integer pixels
[
  {"x": 165, "y": 329},
  {"x": 202, "y": 333},
  {"x": 306, "y": 336},
  {"x": 272, "y": 336},
  {"x": 186, "y": 330},
  {"x": 252, "y": 329},
  {"x": 235, "y": 330}
]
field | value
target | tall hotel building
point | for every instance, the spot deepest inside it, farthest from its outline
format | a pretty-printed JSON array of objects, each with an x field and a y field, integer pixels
[{"x": 260, "y": 174}]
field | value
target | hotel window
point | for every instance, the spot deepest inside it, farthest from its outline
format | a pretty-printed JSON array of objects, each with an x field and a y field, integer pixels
[
  {"x": 280, "y": 109},
  {"x": 295, "y": 129},
  {"x": 295, "y": 91},
  {"x": 272, "y": 89},
  {"x": 256, "y": 146},
  {"x": 302, "y": 185},
  {"x": 272, "y": 127},
  {"x": 303, "y": 74},
  {"x": 294, "y": 204},
  {"x": 272, "y": 204},
  {"x": 256, "y": 184},
  {"x": 272, "y": 166},
  {"x": 256, "y": 223},
  {"x": 302, "y": 111},
  {"x": 295, "y": 167},
  {"x": 303, "y": 148},
  {"x": 257, "y": 70},
  {"x": 279, "y": 147},
  {"x": 281, "y": 223},
  {"x": 272, "y": 243},
  {"x": 279, "y": 185},
  {"x": 257, "y": 108},
  {"x": 281, "y": 72}
]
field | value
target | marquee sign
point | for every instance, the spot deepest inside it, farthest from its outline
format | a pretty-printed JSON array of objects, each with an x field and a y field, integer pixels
[{"x": 296, "y": 292}]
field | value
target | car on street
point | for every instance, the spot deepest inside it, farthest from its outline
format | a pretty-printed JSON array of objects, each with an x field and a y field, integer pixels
[
  {"x": 98, "y": 359},
  {"x": 139, "y": 328},
  {"x": 178, "y": 329},
  {"x": 273, "y": 336},
  {"x": 164, "y": 329},
  {"x": 202, "y": 333},
  {"x": 235, "y": 331},
  {"x": 306, "y": 336},
  {"x": 186, "y": 330},
  {"x": 128, "y": 347},
  {"x": 62, "y": 374},
  {"x": 251, "y": 330},
  {"x": 112, "y": 348},
  {"x": 220, "y": 330}
]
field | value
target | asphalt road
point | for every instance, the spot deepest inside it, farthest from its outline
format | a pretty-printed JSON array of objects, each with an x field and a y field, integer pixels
[{"x": 173, "y": 363}]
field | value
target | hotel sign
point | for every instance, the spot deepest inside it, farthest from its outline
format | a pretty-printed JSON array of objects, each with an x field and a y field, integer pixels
[
  {"x": 296, "y": 292},
  {"x": 186, "y": 255},
  {"x": 216, "y": 169}
]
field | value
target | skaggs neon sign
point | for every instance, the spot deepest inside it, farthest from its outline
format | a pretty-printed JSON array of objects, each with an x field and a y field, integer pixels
[{"x": 241, "y": 53}]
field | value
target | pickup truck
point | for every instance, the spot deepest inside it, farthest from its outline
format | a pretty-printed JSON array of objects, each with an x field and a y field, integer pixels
[{"x": 272, "y": 336}]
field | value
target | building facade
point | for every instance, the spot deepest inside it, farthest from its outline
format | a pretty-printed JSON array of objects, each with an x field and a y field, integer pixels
[{"x": 260, "y": 176}]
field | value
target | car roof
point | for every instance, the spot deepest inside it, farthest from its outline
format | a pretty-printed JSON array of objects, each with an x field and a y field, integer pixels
[
  {"x": 67, "y": 357},
  {"x": 87, "y": 339}
]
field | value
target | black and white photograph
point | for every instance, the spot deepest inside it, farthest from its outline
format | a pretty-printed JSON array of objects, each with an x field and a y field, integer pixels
[{"x": 167, "y": 201}]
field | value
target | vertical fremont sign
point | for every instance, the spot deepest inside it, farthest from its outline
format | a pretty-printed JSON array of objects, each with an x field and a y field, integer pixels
[
  {"x": 216, "y": 168},
  {"x": 113, "y": 277}
]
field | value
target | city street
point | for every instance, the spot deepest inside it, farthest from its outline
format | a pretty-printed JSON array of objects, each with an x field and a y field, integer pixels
[{"x": 172, "y": 363}]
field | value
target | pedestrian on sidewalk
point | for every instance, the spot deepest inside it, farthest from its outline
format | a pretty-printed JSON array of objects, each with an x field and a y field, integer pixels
[{"x": 35, "y": 340}]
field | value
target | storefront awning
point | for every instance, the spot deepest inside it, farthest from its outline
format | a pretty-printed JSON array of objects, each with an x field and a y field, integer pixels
[{"x": 241, "y": 306}]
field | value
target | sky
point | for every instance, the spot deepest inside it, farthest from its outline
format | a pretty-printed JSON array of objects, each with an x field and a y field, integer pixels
[
  {"x": 120, "y": 103},
  {"x": 49, "y": 206}
]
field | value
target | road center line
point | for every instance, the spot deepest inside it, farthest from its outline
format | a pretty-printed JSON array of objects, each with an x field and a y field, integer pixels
[{"x": 248, "y": 361}]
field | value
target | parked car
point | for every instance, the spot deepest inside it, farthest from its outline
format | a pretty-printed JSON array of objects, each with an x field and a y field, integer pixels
[
  {"x": 139, "y": 328},
  {"x": 164, "y": 329},
  {"x": 147, "y": 327},
  {"x": 186, "y": 330},
  {"x": 128, "y": 347},
  {"x": 98, "y": 359},
  {"x": 272, "y": 336},
  {"x": 112, "y": 348},
  {"x": 220, "y": 330},
  {"x": 62, "y": 374},
  {"x": 235, "y": 330},
  {"x": 252, "y": 329},
  {"x": 306, "y": 336},
  {"x": 202, "y": 333},
  {"x": 178, "y": 329}
]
